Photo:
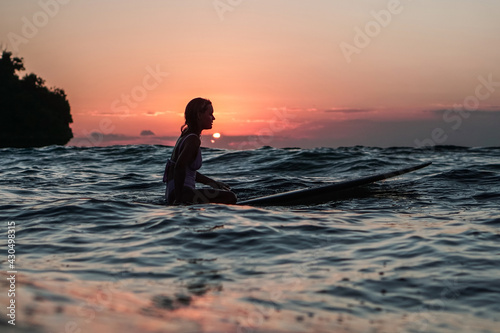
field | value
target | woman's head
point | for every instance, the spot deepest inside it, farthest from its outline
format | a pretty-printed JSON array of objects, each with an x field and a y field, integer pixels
[{"x": 198, "y": 115}]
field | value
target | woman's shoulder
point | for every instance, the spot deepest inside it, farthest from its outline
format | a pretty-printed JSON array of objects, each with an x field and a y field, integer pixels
[{"x": 191, "y": 139}]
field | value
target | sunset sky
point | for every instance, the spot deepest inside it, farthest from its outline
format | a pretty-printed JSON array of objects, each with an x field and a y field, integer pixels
[{"x": 279, "y": 72}]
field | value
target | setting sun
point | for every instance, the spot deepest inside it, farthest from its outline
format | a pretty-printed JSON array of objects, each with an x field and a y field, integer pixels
[
  {"x": 216, "y": 135},
  {"x": 342, "y": 74}
]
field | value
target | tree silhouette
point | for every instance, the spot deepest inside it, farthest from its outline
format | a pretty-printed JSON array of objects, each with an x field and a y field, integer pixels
[{"x": 31, "y": 115}]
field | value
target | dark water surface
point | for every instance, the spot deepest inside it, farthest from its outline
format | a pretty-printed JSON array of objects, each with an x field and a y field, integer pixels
[{"x": 98, "y": 251}]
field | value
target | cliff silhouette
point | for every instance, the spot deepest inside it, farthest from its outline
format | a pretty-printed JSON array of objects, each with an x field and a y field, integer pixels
[{"x": 31, "y": 115}]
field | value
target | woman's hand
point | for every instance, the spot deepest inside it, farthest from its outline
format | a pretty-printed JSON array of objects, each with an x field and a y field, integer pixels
[
  {"x": 220, "y": 186},
  {"x": 212, "y": 183}
]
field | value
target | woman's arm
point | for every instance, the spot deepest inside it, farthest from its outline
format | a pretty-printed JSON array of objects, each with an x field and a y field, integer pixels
[{"x": 200, "y": 178}]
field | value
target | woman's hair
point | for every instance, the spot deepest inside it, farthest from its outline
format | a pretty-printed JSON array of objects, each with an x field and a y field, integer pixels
[{"x": 194, "y": 107}]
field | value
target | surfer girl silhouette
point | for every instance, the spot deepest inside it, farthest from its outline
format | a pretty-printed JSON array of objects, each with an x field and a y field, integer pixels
[{"x": 181, "y": 171}]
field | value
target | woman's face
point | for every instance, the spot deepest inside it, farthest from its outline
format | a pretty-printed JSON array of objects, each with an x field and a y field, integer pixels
[{"x": 207, "y": 118}]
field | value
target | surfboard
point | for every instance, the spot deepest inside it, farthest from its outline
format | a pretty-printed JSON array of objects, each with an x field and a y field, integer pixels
[{"x": 324, "y": 193}]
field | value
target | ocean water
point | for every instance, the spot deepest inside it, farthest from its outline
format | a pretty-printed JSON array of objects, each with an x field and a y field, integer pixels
[{"x": 97, "y": 250}]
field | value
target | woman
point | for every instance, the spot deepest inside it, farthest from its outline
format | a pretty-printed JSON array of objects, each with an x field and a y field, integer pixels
[{"x": 181, "y": 169}]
